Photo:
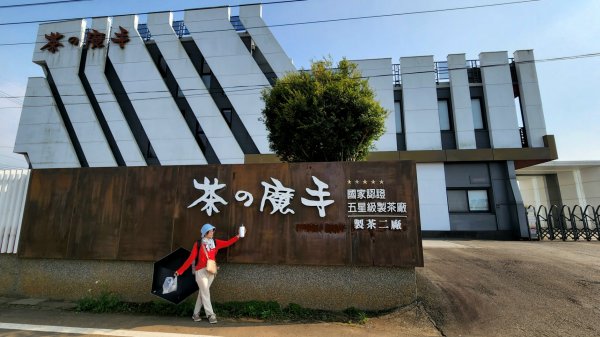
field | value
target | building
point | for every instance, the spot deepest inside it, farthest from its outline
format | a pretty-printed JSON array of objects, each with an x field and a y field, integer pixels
[
  {"x": 561, "y": 183},
  {"x": 118, "y": 92}
]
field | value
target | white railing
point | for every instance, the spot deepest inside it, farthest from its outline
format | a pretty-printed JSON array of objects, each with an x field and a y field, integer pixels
[{"x": 13, "y": 190}]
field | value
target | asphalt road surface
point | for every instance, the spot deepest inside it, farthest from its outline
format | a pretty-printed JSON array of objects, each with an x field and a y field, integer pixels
[{"x": 492, "y": 288}]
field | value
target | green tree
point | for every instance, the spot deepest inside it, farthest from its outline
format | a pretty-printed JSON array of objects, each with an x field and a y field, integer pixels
[{"x": 327, "y": 114}]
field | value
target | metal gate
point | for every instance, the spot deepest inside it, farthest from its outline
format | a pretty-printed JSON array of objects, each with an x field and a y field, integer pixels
[
  {"x": 565, "y": 223},
  {"x": 13, "y": 188}
]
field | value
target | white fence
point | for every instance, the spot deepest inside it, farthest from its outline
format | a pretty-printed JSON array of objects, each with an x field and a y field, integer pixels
[{"x": 13, "y": 190}]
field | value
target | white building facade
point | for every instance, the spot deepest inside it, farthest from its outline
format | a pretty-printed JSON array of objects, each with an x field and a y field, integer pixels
[{"x": 118, "y": 92}]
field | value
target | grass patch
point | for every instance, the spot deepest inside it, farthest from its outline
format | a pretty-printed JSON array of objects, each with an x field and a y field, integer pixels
[{"x": 107, "y": 302}]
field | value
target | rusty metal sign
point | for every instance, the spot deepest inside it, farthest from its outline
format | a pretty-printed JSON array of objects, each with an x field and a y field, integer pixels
[{"x": 340, "y": 213}]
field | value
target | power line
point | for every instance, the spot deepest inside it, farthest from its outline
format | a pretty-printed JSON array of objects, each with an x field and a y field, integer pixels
[
  {"x": 291, "y": 24},
  {"x": 400, "y": 14},
  {"x": 41, "y": 3},
  {"x": 294, "y": 23},
  {"x": 10, "y": 98},
  {"x": 250, "y": 87},
  {"x": 175, "y": 11}
]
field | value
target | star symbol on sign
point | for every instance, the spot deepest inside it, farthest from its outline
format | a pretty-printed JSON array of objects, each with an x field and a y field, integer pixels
[
  {"x": 349, "y": 182},
  {"x": 356, "y": 181},
  {"x": 53, "y": 42},
  {"x": 365, "y": 181},
  {"x": 372, "y": 181},
  {"x": 381, "y": 182}
]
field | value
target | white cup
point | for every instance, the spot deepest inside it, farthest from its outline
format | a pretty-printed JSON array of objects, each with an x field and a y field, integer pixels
[{"x": 242, "y": 231}]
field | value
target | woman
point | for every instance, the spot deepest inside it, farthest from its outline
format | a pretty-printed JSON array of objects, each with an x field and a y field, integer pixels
[{"x": 208, "y": 247}]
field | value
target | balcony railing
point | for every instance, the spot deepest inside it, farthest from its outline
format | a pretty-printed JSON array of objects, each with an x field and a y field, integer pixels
[
  {"x": 473, "y": 71},
  {"x": 178, "y": 26},
  {"x": 396, "y": 74},
  {"x": 441, "y": 72},
  {"x": 144, "y": 31},
  {"x": 180, "y": 29},
  {"x": 237, "y": 24},
  {"x": 523, "y": 134}
]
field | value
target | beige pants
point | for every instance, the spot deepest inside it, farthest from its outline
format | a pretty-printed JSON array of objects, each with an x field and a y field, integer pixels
[{"x": 204, "y": 280}]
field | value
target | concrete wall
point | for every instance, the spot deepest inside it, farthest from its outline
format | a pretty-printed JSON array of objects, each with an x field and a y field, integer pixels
[
  {"x": 331, "y": 288},
  {"x": 231, "y": 62},
  {"x": 534, "y": 191},
  {"x": 590, "y": 179},
  {"x": 251, "y": 17},
  {"x": 167, "y": 131},
  {"x": 63, "y": 67},
  {"x": 206, "y": 111},
  {"x": 95, "y": 64},
  {"x": 433, "y": 203},
  {"x": 42, "y": 134},
  {"x": 571, "y": 188}
]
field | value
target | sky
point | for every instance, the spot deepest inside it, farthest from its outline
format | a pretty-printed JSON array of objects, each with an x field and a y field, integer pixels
[{"x": 552, "y": 28}]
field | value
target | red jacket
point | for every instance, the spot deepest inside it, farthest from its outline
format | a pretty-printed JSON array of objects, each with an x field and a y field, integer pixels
[{"x": 202, "y": 260}]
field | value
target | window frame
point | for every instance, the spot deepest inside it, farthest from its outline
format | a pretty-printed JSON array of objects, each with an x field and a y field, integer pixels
[
  {"x": 449, "y": 114},
  {"x": 466, "y": 194},
  {"x": 482, "y": 112}
]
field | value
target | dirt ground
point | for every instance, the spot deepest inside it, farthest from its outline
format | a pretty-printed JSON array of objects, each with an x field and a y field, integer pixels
[
  {"x": 490, "y": 288},
  {"x": 467, "y": 288}
]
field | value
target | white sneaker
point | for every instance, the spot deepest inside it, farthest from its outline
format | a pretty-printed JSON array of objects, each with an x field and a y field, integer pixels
[
  {"x": 196, "y": 318},
  {"x": 212, "y": 319}
]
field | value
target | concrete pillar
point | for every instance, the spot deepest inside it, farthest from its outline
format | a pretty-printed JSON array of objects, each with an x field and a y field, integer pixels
[
  {"x": 531, "y": 101},
  {"x": 461, "y": 102},
  {"x": 421, "y": 119},
  {"x": 499, "y": 100}
]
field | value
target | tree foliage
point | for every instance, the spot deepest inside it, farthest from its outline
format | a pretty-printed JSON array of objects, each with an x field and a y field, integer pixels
[{"x": 327, "y": 114}]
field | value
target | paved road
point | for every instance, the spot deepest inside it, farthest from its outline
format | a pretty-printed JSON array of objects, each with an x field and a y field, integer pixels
[{"x": 491, "y": 288}]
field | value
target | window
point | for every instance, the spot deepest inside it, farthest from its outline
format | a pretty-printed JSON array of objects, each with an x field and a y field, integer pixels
[
  {"x": 228, "y": 114},
  {"x": 162, "y": 66},
  {"x": 457, "y": 201},
  {"x": 444, "y": 113},
  {"x": 205, "y": 68},
  {"x": 477, "y": 114},
  {"x": 519, "y": 113},
  {"x": 466, "y": 201},
  {"x": 398, "y": 113},
  {"x": 150, "y": 152},
  {"x": 478, "y": 201}
]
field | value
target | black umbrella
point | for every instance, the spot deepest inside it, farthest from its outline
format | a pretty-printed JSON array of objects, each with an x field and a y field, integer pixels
[{"x": 166, "y": 267}]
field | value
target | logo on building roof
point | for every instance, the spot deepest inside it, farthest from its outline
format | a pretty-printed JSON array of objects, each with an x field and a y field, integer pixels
[
  {"x": 122, "y": 37},
  {"x": 53, "y": 42}
]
